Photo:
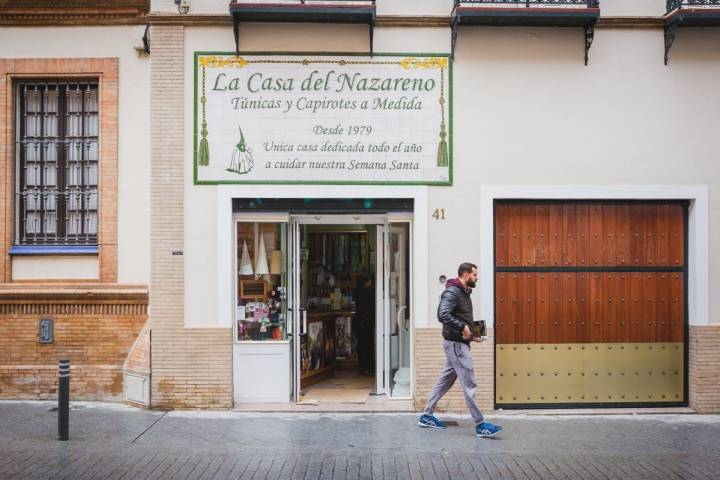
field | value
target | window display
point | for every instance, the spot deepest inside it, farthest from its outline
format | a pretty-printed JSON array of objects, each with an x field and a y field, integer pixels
[{"x": 261, "y": 312}]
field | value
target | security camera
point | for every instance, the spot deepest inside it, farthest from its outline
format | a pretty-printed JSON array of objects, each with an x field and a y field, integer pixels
[{"x": 183, "y": 6}]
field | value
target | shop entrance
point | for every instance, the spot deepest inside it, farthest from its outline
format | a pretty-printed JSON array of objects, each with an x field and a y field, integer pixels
[
  {"x": 352, "y": 308},
  {"x": 338, "y": 292},
  {"x": 323, "y": 310}
]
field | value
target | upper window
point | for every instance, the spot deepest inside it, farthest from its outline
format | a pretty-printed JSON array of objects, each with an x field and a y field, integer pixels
[{"x": 56, "y": 183}]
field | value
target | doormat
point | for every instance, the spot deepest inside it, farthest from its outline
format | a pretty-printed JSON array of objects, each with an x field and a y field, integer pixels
[{"x": 337, "y": 395}]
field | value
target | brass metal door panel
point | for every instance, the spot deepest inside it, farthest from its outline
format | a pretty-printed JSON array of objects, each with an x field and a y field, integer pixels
[{"x": 589, "y": 373}]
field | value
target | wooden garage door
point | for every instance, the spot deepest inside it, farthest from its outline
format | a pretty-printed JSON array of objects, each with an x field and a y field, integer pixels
[{"x": 590, "y": 303}]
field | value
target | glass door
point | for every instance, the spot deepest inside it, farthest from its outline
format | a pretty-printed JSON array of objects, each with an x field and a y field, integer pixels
[
  {"x": 398, "y": 313},
  {"x": 381, "y": 322},
  {"x": 299, "y": 337}
]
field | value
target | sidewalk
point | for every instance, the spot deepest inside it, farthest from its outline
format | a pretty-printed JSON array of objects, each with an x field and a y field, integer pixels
[{"x": 116, "y": 441}]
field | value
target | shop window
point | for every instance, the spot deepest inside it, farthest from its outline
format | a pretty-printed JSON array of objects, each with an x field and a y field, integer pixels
[
  {"x": 261, "y": 312},
  {"x": 57, "y": 166}
]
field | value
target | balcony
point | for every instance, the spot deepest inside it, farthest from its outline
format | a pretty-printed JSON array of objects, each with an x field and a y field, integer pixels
[
  {"x": 689, "y": 13},
  {"x": 525, "y": 13},
  {"x": 303, "y": 11}
]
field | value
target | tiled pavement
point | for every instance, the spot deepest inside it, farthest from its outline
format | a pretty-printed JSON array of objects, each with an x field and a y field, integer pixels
[{"x": 118, "y": 442}]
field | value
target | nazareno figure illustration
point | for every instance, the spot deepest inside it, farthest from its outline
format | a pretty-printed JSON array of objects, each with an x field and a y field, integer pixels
[{"x": 242, "y": 160}]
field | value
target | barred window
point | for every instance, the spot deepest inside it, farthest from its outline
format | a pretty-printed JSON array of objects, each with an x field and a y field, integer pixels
[{"x": 57, "y": 126}]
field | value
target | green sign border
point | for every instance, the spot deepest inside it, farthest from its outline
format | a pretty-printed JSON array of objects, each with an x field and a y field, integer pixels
[{"x": 321, "y": 182}]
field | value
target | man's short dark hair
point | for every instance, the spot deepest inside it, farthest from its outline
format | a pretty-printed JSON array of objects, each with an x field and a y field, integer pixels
[{"x": 466, "y": 267}]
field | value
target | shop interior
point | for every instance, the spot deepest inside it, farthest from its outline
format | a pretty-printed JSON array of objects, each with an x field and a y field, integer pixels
[{"x": 338, "y": 289}]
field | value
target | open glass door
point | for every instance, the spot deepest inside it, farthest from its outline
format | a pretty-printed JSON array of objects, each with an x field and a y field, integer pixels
[
  {"x": 381, "y": 322},
  {"x": 298, "y": 342},
  {"x": 398, "y": 313}
]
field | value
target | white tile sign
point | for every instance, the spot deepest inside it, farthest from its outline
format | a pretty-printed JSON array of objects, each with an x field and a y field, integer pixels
[{"x": 323, "y": 119}]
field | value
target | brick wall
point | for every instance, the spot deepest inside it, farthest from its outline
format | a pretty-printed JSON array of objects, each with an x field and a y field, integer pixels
[
  {"x": 704, "y": 368},
  {"x": 430, "y": 360},
  {"x": 94, "y": 328},
  {"x": 191, "y": 368}
]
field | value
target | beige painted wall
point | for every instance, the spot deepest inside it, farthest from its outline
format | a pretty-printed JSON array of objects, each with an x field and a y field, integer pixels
[
  {"x": 55, "y": 267},
  {"x": 632, "y": 8},
  {"x": 196, "y": 6},
  {"x": 414, "y": 7},
  {"x": 133, "y": 119},
  {"x": 384, "y": 7},
  {"x": 423, "y": 7},
  {"x": 532, "y": 114}
]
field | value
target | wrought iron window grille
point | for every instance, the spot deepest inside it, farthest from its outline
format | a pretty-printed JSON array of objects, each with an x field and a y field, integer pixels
[
  {"x": 689, "y": 13},
  {"x": 307, "y": 11},
  {"x": 57, "y": 162},
  {"x": 558, "y": 13}
]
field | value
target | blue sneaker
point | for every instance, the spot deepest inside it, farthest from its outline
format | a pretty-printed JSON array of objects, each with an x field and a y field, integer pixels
[
  {"x": 487, "y": 430},
  {"x": 431, "y": 421}
]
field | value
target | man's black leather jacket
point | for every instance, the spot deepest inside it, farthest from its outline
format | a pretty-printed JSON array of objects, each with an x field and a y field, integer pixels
[{"x": 455, "y": 311}]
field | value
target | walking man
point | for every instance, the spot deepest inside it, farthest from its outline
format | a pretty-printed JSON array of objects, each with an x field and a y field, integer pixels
[{"x": 455, "y": 312}]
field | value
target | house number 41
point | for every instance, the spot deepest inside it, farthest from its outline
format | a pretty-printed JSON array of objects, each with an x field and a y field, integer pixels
[{"x": 439, "y": 214}]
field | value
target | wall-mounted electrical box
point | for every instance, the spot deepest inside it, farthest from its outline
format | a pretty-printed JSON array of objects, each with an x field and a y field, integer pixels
[{"x": 47, "y": 332}]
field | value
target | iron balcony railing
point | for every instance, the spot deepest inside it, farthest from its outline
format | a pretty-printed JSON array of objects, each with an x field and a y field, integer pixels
[
  {"x": 349, "y": 2},
  {"x": 532, "y": 3},
  {"x": 675, "y": 4}
]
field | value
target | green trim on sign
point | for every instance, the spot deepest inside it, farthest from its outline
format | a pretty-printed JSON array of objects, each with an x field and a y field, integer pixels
[
  {"x": 450, "y": 118},
  {"x": 450, "y": 140},
  {"x": 195, "y": 165}
]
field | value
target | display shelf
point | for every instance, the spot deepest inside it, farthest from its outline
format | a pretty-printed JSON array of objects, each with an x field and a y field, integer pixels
[{"x": 314, "y": 314}]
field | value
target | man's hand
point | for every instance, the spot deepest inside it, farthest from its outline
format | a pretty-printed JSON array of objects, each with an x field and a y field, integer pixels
[{"x": 466, "y": 333}]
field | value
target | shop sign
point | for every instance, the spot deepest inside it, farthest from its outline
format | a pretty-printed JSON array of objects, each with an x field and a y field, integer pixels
[{"x": 337, "y": 119}]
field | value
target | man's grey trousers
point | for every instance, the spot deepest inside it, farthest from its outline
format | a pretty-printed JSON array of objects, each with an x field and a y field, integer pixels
[{"x": 458, "y": 365}]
